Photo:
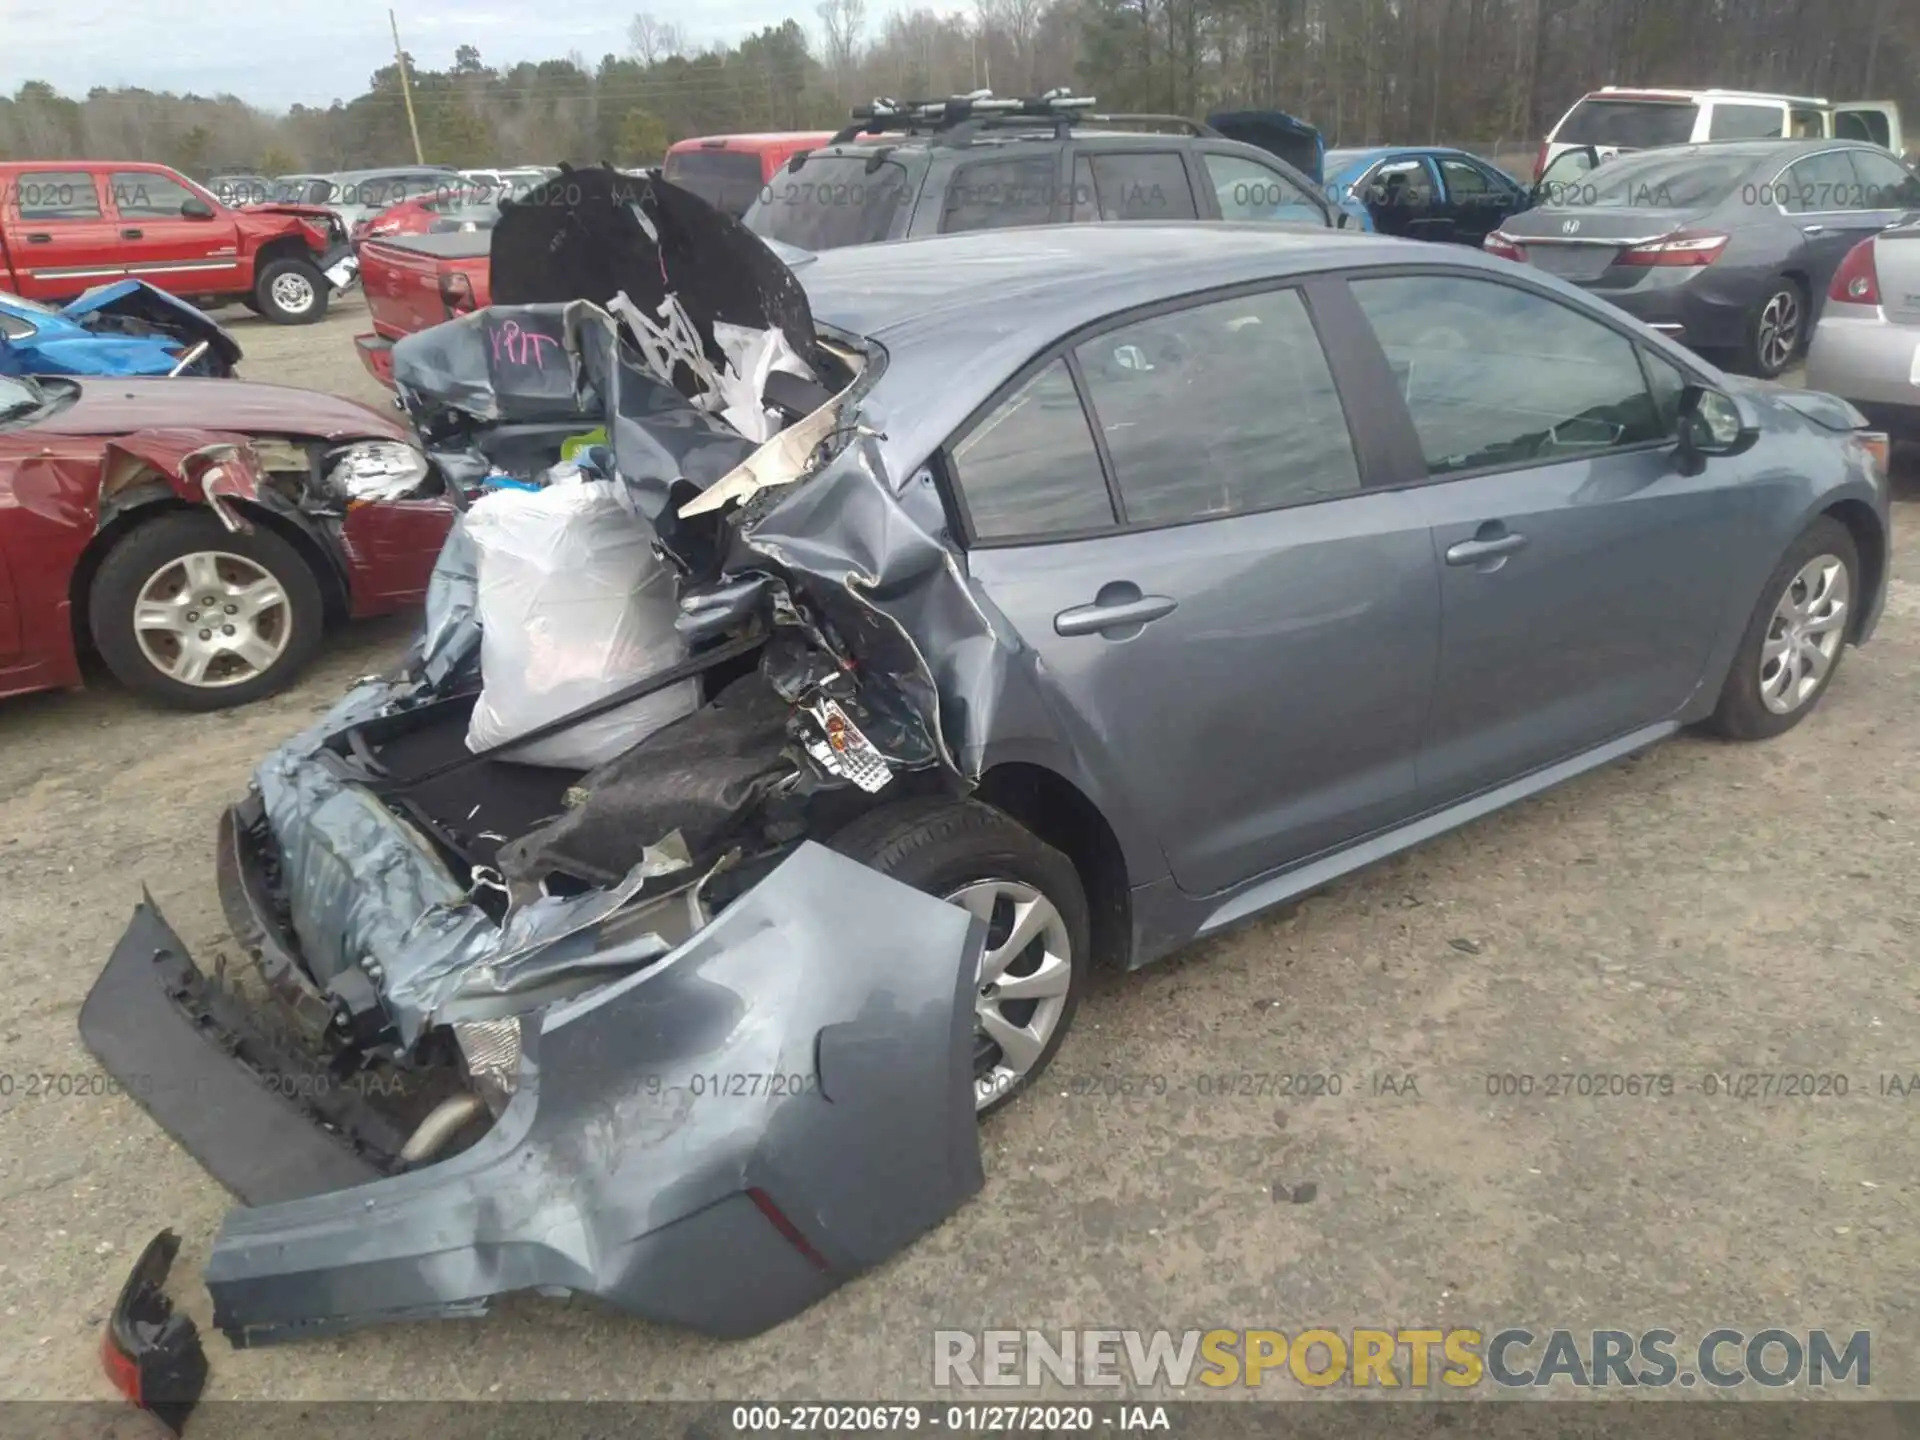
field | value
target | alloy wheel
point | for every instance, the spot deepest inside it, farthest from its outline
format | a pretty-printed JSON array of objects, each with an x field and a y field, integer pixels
[
  {"x": 1779, "y": 333},
  {"x": 212, "y": 619},
  {"x": 1026, "y": 971},
  {"x": 1805, "y": 634},
  {"x": 293, "y": 292}
]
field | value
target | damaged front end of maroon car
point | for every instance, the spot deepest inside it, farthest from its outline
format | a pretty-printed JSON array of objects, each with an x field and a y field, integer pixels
[{"x": 495, "y": 938}]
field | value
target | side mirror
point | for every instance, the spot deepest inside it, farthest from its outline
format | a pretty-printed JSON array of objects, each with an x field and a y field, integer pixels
[
  {"x": 194, "y": 208},
  {"x": 1712, "y": 423}
]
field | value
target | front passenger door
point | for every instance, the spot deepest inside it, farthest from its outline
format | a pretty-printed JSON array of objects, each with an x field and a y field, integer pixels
[
  {"x": 163, "y": 246},
  {"x": 1579, "y": 594},
  {"x": 1239, "y": 636}
]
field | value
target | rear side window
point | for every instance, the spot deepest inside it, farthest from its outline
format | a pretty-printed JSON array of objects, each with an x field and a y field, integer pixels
[
  {"x": 1141, "y": 185},
  {"x": 1819, "y": 184},
  {"x": 832, "y": 200},
  {"x": 1219, "y": 409},
  {"x": 995, "y": 194},
  {"x": 1467, "y": 181},
  {"x": 57, "y": 195},
  {"x": 1030, "y": 468},
  {"x": 1494, "y": 375},
  {"x": 728, "y": 180},
  {"x": 1634, "y": 124},
  {"x": 1746, "y": 122}
]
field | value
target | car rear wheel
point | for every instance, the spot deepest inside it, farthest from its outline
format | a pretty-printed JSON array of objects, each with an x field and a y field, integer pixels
[
  {"x": 1034, "y": 967},
  {"x": 1777, "y": 330},
  {"x": 1795, "y": 639},
  {"x": 291, "y": 291},
  {"x": 199, "y": 618}
]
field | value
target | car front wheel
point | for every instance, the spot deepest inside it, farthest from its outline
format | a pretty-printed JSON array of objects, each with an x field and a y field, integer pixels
[
  {"x": 1795, "y": 638},
  {"x": 1034, "y": 967},
  {"x": 291, "y": 291},
  {"x": 199, "y": 618}
]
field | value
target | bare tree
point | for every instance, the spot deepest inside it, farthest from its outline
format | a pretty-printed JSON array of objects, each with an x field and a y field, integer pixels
[
  {"x": 843, "y": 21},
  {"x": 651, "y": 39}
]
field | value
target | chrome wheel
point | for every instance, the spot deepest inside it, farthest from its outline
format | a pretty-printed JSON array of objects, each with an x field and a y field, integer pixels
[
  {"x": 212, "y": 619},
  {"x": 1778, "y": 337},
  {"x": 293, "y": 292},
  {"x": 1025, "y": 974},
  {"x": 1805, "y": 634}
]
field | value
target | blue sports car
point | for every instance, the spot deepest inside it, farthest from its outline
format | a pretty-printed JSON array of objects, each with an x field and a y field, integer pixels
[
  {"x": 126, "y": 328},
  {"x": 1424, "y": 192}
]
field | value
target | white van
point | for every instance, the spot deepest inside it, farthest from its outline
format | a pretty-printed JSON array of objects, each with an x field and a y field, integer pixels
[{"x": 1616, "y": 118}]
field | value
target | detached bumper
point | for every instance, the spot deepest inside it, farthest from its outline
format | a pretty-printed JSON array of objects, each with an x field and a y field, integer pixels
[{"x": 716, "y": 1141}]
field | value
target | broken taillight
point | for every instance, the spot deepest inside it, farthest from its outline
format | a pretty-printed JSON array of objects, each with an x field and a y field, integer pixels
[
  {"x": 456, "y": 294},
  {"x": 150, "y": 1353},
  {"x": 788, "y": 1230}
]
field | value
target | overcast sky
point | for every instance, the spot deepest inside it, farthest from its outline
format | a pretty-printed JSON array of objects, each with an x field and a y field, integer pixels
[{"x": 275, "y": 53}]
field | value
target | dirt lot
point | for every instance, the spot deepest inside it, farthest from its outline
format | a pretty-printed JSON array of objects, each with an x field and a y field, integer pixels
[{"x": 1700, "y": 910}]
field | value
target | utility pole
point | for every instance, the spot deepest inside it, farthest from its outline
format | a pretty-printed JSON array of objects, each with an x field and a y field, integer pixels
[{"x": 406, "y": 90}]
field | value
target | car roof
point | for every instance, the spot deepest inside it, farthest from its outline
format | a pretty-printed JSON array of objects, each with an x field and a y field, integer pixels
[{"x": 1758, "y": 151}]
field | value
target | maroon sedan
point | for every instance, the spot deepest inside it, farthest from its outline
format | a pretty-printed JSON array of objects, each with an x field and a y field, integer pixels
[{"x": 200, "y": 534}]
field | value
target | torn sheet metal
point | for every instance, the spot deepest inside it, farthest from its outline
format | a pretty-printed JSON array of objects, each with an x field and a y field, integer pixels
[
  {"x": 852, "y": 989},
  {"x": 449, "y": 643},
  {"x": 126, "y": 328}
]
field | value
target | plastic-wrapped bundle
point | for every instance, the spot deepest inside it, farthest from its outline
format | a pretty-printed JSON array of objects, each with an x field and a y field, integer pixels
[{"x": 573, "y": 606}]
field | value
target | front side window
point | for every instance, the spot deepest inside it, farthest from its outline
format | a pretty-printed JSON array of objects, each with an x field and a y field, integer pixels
[
  {"x": 1494, "y": 375},
  {"x": 1885, "y": 184},
  {"x": 1219, "y": 409},
  {"x": 1030, "y": 468},
  {"x": 1142, "y": 185},
  {"x": 1466, "y": 181},
  {"x": 143, "y": 195},
  {"x": 1248, "y": 190},
  {"x": 45, "y": 195},
  {"x": 1401, "y": 184}
]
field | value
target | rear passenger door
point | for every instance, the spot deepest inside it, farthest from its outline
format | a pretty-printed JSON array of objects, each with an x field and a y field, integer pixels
[
  {"x": 61, "y": 238},
  {"x": 1579, "y": 592},
  {"x": 1171, "y": 512},
  {"x": 1828, "y": 197},
  {"x": 1129, "y": 184}
]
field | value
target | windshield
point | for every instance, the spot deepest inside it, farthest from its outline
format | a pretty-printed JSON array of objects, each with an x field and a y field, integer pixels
[
  {"x": 1630, "y": 124},
  {"x": 1692, "y": 180},
  {"x": 831, "y": 201},
  {"x": 301, "y": 190},
  {"x": 19, "y": 396}
]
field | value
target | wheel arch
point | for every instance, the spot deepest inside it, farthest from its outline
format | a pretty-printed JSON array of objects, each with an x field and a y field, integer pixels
[
  {"x": 1060, "y": 813},
  {"x": 1870, "y": 541}
]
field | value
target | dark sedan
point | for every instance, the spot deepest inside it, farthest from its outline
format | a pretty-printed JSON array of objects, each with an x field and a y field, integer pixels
[{"x": 1727, "y": 247}]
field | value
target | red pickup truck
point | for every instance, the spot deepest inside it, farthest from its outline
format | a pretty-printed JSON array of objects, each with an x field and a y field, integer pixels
[
  {"x": 413, "y": 281},
  {"x": 68, "y": 225}
]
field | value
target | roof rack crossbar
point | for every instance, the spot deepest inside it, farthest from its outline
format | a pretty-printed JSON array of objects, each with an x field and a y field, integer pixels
[{"x": 886, "y": 115}]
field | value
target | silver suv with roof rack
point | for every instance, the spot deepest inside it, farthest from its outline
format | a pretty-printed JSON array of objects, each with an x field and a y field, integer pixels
[{"x": 980, "y": 161}]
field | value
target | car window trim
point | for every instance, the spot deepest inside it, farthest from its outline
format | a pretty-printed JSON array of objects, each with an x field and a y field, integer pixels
[
  {"x": 1401, "y": 412},
  {"x": 1348, "y": 390},
  {"x": 1817, "y": 154}
]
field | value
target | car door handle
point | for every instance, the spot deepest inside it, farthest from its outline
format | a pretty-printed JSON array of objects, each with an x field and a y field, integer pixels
[
  {"x": 130, "y": 234},
  {"x": 38, "y": 239},
  {"x": 1113, "y": 612},
  {"x": 1472, "y": 552}
]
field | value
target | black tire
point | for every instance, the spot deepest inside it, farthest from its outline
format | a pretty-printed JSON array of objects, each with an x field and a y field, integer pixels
[
  {"x": 1755, "y": 358},
  {"x": 940, "y": 846},
  {"x": 291, "y": 267},
  {"x": 140, "y": 555},
  {"x": 1743, "y": 713}
]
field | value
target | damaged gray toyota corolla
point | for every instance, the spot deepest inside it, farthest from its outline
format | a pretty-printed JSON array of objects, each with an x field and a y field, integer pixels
[{"x": 1049, "y": 593}]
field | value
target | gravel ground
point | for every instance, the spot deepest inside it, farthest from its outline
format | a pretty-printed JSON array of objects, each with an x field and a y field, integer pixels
[{"x": 1704, "y": 908}]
